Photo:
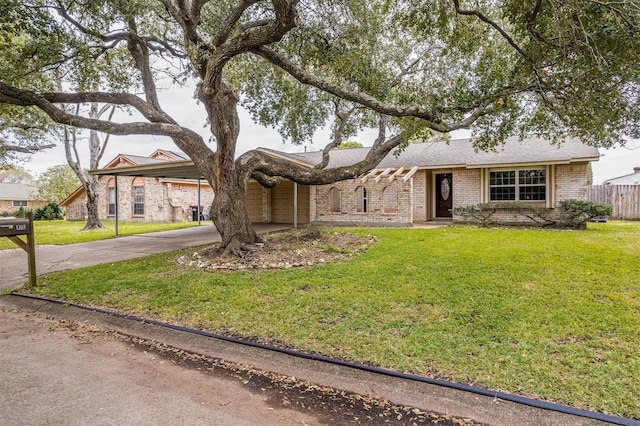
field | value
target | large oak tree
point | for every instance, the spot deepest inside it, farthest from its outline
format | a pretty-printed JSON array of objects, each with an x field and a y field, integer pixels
[{"x": 553, "y": 67}]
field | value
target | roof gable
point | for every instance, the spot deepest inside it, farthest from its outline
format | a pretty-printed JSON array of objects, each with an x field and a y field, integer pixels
[{"x": 163, "y": 154}]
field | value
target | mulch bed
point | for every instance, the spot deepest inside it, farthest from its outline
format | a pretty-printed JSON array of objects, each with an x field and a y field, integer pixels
[{"x": 295, "y": 248}]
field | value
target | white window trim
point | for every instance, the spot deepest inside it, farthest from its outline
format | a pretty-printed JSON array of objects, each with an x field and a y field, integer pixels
[{"x": 549, "y": 183}]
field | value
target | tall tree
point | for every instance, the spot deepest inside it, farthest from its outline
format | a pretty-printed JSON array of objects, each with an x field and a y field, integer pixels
[
  {"x": 57, "y": 183},
  {"x": 553, "y": 67},
  {"x": 96, "y": 150},
  {"x": 16, "y": 174}
]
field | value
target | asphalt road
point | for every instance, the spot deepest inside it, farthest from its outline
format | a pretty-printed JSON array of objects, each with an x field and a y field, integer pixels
[{"x": 56, "y": 375}]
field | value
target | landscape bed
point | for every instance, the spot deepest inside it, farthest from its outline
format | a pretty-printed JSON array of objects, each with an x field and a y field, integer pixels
[{"x": 550, "y": 314}]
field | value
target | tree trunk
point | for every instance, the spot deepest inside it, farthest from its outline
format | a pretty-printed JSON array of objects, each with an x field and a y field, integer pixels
[
  {"x": 93, "y": 220},
  {"x": 231, "y": 218}
]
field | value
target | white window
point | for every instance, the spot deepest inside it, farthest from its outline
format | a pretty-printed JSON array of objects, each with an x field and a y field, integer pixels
[
  {"x": 111, "y": 188},
  {"x": 20, "y": 203},
  {"x": 518, "y": 185},
  {"x": 138, "y": 196}
]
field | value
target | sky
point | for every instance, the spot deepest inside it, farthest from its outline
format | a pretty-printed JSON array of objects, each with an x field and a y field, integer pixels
[{"x": 179, "y": 103}]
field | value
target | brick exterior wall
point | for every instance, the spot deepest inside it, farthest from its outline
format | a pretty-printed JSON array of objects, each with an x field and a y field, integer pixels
[
  {"x": 467, "y": 187},
  {"x": 164, "y": 201},
  {"x": 571, "y": 182},
  {"x": 420, "y": 192},
  {"x": 320, "y": 203},
  {"x": 7, "y": 206}
]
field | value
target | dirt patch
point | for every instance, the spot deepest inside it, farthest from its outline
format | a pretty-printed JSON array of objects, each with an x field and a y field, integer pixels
[{"x": 295, "y": 248}]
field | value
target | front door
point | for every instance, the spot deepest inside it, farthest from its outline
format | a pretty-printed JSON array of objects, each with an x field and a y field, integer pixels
[{"x": 444, "y": 195}]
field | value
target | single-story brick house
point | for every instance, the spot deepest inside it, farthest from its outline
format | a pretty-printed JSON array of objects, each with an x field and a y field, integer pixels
[
  {"x": 427, "y": 180},
  {"x": 148, "y": 199},
  {"x": 422, "y": 183},
  {"x": 16, "y": 195}
]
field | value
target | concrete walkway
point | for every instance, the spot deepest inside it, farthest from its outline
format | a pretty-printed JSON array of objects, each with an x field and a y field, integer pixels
[{"x": 13, "y": 262}]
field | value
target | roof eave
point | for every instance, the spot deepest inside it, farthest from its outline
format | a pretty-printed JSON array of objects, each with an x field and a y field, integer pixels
[{"x": 285, "y": 157}]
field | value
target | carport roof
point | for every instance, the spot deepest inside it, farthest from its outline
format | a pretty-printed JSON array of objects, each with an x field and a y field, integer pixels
[{"x": 185, "y": 169}]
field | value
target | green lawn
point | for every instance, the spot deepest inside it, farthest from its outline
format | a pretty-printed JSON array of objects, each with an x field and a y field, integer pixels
[
  {"x": 64, "y": 232},
  {"x": 550, "y": 314}
]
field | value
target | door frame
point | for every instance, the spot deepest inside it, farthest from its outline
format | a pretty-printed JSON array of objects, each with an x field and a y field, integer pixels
[{"x": 436, "y": 191}]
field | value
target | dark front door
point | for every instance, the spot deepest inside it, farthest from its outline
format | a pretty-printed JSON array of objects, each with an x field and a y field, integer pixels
[{"x": 444, "y": 195}]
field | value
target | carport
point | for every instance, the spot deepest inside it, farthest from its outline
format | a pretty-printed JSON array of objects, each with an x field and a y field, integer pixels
[{"x": 169, "y": 170}]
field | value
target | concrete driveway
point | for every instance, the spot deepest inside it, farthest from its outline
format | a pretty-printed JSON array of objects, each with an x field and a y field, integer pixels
[{"x": 13, "y": 262}]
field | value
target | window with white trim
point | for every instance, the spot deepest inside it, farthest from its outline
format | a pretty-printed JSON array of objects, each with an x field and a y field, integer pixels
[
  {"x": 138, "y": 196},
  {"x": 111, "y": 206},
  {"x": 518, "y": 185},
  {"x": 20, "y": 203}
]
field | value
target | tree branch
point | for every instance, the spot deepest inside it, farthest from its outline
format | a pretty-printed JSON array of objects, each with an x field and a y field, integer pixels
[
  {"x": 230, "y": 22},
  {"x": 430, "y": 116},
  {"x": 14, "y": 96}
]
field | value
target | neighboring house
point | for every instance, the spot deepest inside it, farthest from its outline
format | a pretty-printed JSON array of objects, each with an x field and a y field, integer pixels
[
  {"x": 148, "y": 199},
  {"x": 16, "y": 195},
  {"x": 422, "y": 183},
  {"x": 632, "y": 179}
]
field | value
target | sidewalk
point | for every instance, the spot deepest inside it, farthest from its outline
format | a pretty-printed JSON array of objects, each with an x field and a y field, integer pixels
[{"x": 13, "y": 263}]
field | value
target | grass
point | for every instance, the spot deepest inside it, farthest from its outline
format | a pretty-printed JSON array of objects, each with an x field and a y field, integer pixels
[
  {"x": 64, "y": 232},
  {"x": 550, "y": 314}
]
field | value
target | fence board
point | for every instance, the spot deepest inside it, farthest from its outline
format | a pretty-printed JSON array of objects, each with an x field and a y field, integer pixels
[{"x": 625, "y": 199}]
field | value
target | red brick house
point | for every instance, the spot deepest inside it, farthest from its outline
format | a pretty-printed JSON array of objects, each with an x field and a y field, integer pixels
[{"x": 147, "y": 199}]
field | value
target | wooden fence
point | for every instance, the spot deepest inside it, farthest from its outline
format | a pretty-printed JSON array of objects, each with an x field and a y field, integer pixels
[{"x": 625, "y": 199}]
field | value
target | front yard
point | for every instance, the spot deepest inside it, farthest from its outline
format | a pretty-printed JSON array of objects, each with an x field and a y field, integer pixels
[{"x": 550, "y": 314}]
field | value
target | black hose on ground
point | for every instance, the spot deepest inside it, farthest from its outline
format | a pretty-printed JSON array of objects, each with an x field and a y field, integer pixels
[{"x": 437, "y": 382}]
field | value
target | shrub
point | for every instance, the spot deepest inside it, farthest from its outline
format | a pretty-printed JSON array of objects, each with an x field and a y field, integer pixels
[
  {"x": 483, "y": 213},
  {"x": 569, "y": 214},
  {"x": 49, "y": 212},
  {"x": 21, "y": 213},
  {"x": 576, "y": 213}
]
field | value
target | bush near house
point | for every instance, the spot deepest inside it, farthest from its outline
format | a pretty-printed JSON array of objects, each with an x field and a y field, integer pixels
[
  {"x": 51, "y": 211},
  {"x": 569, "y": 214}
]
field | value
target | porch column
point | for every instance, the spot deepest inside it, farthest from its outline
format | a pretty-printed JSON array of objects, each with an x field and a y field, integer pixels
[
  {"x": 115, "y": 180},
  {"x": 199, "y": 213},
  {"x": 295, "y": 205}
]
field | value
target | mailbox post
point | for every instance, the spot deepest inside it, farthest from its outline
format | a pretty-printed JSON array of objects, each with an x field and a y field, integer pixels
[{"x": 11, "y": 228}]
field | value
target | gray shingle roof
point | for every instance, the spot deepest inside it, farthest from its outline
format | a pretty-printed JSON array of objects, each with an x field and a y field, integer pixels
[
  {"x": 17, "y": 191},
  {"x": 460, "y": 153}
]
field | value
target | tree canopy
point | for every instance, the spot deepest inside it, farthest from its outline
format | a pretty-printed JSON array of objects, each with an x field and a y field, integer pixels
[
  {"x": 549, "y": 67},
  {"x": 57, "y": 183}
]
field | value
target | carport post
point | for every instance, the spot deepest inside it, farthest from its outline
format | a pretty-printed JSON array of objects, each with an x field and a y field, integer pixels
[
  {"x": 199, "y": 213},
  {"x": 115, "y": 179},
  {"x": 295, "y": 204}
]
